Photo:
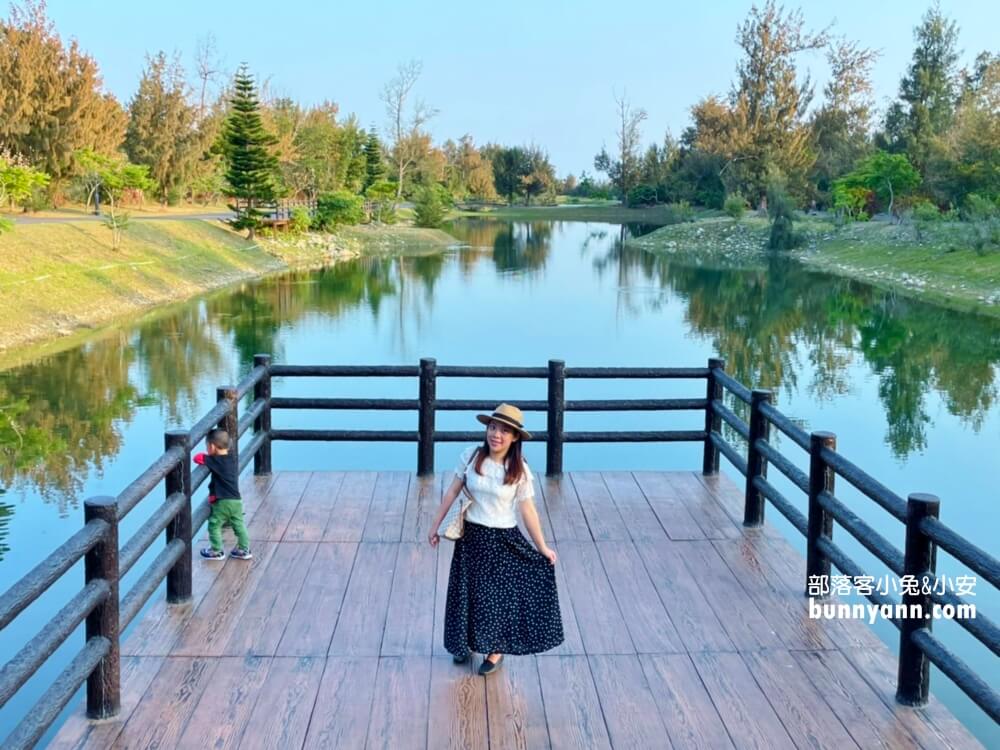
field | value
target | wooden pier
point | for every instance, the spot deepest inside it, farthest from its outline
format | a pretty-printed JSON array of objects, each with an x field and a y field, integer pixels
[
  {"x": 684, "y": 611},
  {"x": 684, "y": 629}
]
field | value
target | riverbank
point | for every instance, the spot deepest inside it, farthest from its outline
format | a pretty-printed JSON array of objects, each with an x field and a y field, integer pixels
[
  {"x": 60, "y": 282},
  {"x": 934, "y": 264}
]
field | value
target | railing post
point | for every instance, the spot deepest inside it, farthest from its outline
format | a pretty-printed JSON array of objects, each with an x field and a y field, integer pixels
[
  {"x": 821, "y": 479},
  {"x": 425, "y": 424},
  {"x": 179, "y": 480},
  {"x": 262, "y": 390},
  {"x": 919, "y": 560},
  {"x": 760, "y": 428},
  {"x": 556, "y": 412},
  {"x": 231, "y": 422},
  {"x": 713, "y": 422},
  {"x": 101, "y": 562}
]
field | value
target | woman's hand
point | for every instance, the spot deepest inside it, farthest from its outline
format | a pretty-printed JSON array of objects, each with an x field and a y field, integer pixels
[
  {"x": 433, "y": 538},
  {"x": 549, "y": 553}
]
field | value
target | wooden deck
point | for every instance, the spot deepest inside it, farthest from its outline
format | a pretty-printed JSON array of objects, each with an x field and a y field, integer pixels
[{"x": 683, "y": 630}]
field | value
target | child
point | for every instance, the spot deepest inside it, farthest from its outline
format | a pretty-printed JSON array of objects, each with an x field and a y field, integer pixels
[{"x": 224, "y": 496}]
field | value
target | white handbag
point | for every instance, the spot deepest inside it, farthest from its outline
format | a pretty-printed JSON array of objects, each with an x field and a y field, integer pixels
[{"x": 456, "y": 527}]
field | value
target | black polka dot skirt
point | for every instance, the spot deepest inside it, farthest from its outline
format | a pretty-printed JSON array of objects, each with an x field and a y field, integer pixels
[{"x": 502, "y": 595}]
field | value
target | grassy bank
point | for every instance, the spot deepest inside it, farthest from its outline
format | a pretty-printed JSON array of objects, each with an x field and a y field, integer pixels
[
  {"x": 935, "y": 264},
  {"x": 59, "y": 282}
]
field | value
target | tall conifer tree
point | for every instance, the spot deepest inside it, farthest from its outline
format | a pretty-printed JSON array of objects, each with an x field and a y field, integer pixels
[{"x": 251, "y": 167}]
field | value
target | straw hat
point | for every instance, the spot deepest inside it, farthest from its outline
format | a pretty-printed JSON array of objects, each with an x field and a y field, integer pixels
[{"x": 509, "y": 415}]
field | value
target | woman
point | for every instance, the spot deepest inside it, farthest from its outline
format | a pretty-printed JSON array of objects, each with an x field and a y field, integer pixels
[{"x": 502, "y": 595}]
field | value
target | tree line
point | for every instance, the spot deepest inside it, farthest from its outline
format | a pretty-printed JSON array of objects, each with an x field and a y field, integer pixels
[
  {"x": 63, "y": 138},
  {"x": 937, "y": 148}
]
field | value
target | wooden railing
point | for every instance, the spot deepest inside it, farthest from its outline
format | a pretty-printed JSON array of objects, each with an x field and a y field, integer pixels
[
  {"x": 918, "y": 647},
  {"x": 107, "y": 614}
]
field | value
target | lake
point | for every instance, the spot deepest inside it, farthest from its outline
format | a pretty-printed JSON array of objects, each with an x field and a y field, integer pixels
[{"x": 910, "y": 389}]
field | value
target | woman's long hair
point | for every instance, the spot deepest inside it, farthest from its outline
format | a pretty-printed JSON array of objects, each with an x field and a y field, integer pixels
[{"x": 513, "y": 464}]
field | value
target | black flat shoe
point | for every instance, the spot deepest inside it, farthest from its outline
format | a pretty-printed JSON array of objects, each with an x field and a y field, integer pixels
[
  {"x": 488, "y": 667},
  {"x": 460, "y": 659}
]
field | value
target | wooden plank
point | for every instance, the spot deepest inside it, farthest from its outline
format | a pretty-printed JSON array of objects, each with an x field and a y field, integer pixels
[
  {"x": 640, "y": 520},
  {"x": 165, "y": 708},
  {"x": 457, "y": 712},
  {"x": 565, "y": 513},
  {"x": 683, "y": 598},
  {"x": 648, "y": 623},
  {"x": 787, "y": 613},
  {"x": 385, "y": 516},
  {"x": 284, "y": 704},
  {"x": 156, "y": 632},
  {"x": 802, "y": 710},
  {"x": 271, "y": 519},
  {"x": 663, "y": 498},
  {"x": 789, "y": 567},
  {"x": 312, "y": 515},
  {"x": 409, "y": 627},
  {"x": 218, "y": 615},
  {"x": 343, "y": 704},
  {"x": 314, "y": 617},
  {"x": 224, "y": 709},
  {"x": 687, "y": 711},
  {"x": 572, "y": 707},
  {"x": 362, "y": 618},
  {"x": 715, "y": 523},
  {"x": 423, "y": 497},
  {"x": 871, "y": 723},
  {"x": 263, "y": 620},
  {"x": 745, "y": 710},
  {"x": 253, "y": 490},
  {"x": 400, "y": 706},
  {"x": 445, "y": 551},
  {"x": 738, "y": 613},
  {"x": 629, "y": 709},
  {"x": 601, "y": 623},
  {"x": 572, "y": 640},
  {"x": 347, "y": 521},
  {"x": 933, "y": 725},
  {"x": 79, "y": 732},
  {"x": 515, "y": 710},
  {"x": 602, "y": 516},
  {"x": 730, "y": 497}
]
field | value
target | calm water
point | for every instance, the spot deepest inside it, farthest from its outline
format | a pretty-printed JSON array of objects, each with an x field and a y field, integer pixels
[{"x": 911, "y": 390}]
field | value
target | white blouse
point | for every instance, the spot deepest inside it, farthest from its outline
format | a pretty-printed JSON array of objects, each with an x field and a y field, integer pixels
[{"x": 494, "y": 500}]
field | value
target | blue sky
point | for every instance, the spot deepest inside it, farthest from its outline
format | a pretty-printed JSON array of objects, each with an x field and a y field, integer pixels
[{"x": 516, "y": 72}]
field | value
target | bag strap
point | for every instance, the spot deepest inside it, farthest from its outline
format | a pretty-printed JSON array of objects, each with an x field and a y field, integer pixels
[{"x": 465, "y": 486}]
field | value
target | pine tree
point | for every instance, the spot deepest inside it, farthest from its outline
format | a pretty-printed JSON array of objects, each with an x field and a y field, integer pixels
[
  {"x": 374, "y": 166},
  {"x": 251, "y": 168}
]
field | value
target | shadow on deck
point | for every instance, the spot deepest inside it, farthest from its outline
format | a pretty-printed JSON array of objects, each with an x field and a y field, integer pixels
[{"x": 683, "y": 629}]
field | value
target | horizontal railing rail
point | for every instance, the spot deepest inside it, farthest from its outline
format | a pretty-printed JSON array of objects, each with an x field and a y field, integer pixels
[{"x": 924, "y": 534}]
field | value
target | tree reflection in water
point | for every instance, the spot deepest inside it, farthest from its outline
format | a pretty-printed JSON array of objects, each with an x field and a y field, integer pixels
[{"x": 62, "y": 418}]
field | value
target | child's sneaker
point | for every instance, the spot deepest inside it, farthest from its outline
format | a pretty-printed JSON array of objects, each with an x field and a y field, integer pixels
[
  {"x": 210, "y": 554},
  {"x": 241, "y": 554}
]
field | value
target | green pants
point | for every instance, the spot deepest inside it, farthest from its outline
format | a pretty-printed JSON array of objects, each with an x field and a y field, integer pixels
[{"x": 227, "y": 512}]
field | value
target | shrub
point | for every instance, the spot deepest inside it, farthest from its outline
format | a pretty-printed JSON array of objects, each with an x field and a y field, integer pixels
[
  {"x": 678, "y": 213},
  {"x": 642, "y": 195},
  {"x": 781, "y": 210},
  {"x": 924, "y": 210},
  {"x": 430, "y": 209},
  {"x": 300, "y": 220},
  {"x": 978, "y": 208},
  {"x": 735, "y": 206},
  {"x": 340, "y": 207}
]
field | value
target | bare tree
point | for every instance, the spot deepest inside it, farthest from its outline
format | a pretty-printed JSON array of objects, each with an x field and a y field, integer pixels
[
  {"x": 624, "y": 169},
  {"x": 209, "y": 67},
  {"x": 405, "y": 142}
]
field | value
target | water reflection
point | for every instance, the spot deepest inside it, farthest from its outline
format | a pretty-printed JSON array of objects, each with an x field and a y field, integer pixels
[{"x": 64, "y": 417}]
